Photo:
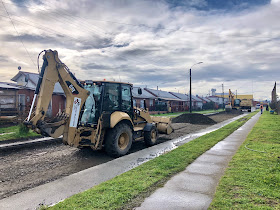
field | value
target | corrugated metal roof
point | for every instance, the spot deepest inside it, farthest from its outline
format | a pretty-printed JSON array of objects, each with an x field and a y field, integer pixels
[
  {"x": 163, "y": 94},
  {"x": 181, "y": 96},
  {"x": 33, "y": 77},
  {"x": 203, "y": 98},
  {"x": 211, "y": 99},
  {"x": 206, "y": 99},
  {"x": 7, "y": 85},
  {"x": 144, "y": 94},
  {"x": 196, "y": 98}
]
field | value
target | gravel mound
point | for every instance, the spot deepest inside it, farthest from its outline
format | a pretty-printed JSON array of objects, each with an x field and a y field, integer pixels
[{"x": 193, "y": 118}]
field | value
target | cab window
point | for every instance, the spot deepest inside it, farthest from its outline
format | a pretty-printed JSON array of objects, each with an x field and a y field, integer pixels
[
  {"x": 91, "y": 107},
  {"x": 111, "y": 97},
  {"x": 126, "y": 98}
]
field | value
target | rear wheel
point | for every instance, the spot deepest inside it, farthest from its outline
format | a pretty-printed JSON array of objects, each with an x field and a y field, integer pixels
[
  {"x": 118, "y": 140},
  {"x": 150, "y": 137}
]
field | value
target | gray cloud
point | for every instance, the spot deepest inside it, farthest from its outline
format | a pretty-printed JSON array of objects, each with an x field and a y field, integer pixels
[
  {"x": 151, "y": 42},
  {"x": 3, "y": 58},
  {"x": 95, "y": 66}
]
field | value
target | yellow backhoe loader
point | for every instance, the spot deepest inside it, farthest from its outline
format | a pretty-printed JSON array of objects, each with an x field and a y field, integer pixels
[
  {"x": 97, "y": 114},
  {"x": 238, "y": 104}
]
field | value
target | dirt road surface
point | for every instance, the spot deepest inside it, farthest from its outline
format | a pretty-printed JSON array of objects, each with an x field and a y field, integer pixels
[{"x": 25, "y": 168}]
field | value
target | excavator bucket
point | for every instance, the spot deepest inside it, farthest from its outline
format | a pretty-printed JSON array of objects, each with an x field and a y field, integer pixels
[{"x": 163, "y": 124}]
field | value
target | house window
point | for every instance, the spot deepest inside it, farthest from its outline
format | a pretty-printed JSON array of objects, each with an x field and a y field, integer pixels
[{"x": 142, "y": 104}]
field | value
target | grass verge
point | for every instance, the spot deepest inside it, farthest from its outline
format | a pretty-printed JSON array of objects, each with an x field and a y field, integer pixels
[
  {"x": 129, "y": 189},
  {"x": 252, "y": 180},
  {"x": 175, "y": 114},
  {"x": 15, "y": 132}
]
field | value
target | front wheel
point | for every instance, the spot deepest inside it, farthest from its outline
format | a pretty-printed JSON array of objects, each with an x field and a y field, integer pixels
[
  {"x": 150, "y": 137},
  {"x": 118, "y": 140}
]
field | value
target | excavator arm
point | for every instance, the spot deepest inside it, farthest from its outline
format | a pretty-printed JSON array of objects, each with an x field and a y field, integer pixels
[{"x": 53, "y": 71}]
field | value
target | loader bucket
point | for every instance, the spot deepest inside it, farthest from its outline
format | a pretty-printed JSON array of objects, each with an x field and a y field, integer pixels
[{"x": 163, "y": 124}]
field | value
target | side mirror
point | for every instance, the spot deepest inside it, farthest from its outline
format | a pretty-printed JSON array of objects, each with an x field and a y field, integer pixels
[{"x": 139, "y": 91}]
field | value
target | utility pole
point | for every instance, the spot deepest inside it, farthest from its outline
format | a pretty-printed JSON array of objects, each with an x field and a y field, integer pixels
[
  {"x": 190, "y": 90},
  {"x": 191, "y": 85},
  {"x": 223, "y": 96}
]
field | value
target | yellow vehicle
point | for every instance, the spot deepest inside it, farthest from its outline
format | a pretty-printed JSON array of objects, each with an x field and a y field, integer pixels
[
  {"x": 246, "y": 104},
  {"x": 97, "y": 114},
  {"x": 238, "y": 104}
]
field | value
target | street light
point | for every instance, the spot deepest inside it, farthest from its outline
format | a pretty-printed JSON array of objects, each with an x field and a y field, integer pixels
[{"x": 191, "y": 85}]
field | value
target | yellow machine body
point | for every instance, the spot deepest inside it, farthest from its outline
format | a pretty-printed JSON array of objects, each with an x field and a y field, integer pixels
[{"x": 85, "y": 120}]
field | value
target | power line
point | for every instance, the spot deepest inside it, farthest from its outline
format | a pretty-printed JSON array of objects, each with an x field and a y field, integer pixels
[
  {"x": 84, "y": 22},
  {"x": 79, "y": 40},
  {"x": 105, "y": 33},
  {"x": 75, "y": 39},
  {"x": 70, "y": 21},
  {"x": 17, "y": 33},
  {"x": 161, "y": 28}
]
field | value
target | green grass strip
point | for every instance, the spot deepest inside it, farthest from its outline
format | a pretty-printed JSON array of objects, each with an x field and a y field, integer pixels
[
  {"x": 8, "y": 129},
  {"x": 14, "y": 132},
  {"x": 252, "y": 180},
  {"x": 129, "y": 189}
]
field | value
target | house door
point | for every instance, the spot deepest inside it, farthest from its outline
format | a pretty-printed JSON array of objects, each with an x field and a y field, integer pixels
[{"x": 21, "y": 102}]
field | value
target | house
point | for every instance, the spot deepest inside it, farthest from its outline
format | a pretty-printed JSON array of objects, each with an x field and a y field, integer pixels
[
  {"x": 8, "y": 99},
  {"x": 165, "y": 101},
  {"x": 207, "y": 103},
  {"x": 27, "y": 82},
  {"x": 184, "y": 104},
  {"x": 204, "y": 100},
  {"x": 197, "y": 103},
  {"x": 145, "y": 97}
]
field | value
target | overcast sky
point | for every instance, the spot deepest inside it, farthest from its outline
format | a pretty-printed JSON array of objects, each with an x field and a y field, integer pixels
[{"x": 149, "y": 42}]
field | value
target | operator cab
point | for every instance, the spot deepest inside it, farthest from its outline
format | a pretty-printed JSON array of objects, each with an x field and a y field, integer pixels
[
  {"x": 105, "y": 97},
  {"x": 237, "y": 102}
]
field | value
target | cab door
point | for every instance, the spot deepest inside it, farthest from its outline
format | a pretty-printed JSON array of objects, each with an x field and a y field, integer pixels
[{"x": 126, "y": 100}]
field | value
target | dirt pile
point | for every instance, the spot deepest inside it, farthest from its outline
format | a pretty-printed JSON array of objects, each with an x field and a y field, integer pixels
[{"x": 193, "y": 118}]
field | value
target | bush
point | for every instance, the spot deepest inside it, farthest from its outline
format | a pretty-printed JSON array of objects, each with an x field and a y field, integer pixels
[{"x": 23, "y": 129}]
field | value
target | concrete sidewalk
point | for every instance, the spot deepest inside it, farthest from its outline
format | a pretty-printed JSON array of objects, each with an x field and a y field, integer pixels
[{"x": 194, "y": 188}]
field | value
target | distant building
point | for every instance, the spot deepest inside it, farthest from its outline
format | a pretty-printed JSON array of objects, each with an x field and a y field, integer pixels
[
  {"x": 198, "y": 103},
  {"x": 185, "y": 101},
  {"x": 8, "y": 99},
  {"x": 145, "y": 97},
  {"x": 26, "y": 83},
  {"x": 166, "y": 101},
  {"x": 225, "y": 95},
  {"x": 204, "y": 100}
]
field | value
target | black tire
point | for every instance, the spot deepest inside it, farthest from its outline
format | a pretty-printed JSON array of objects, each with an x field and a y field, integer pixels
[
  {"x": 150, "y": 137},
  {"x": 118, "y": 140}
]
